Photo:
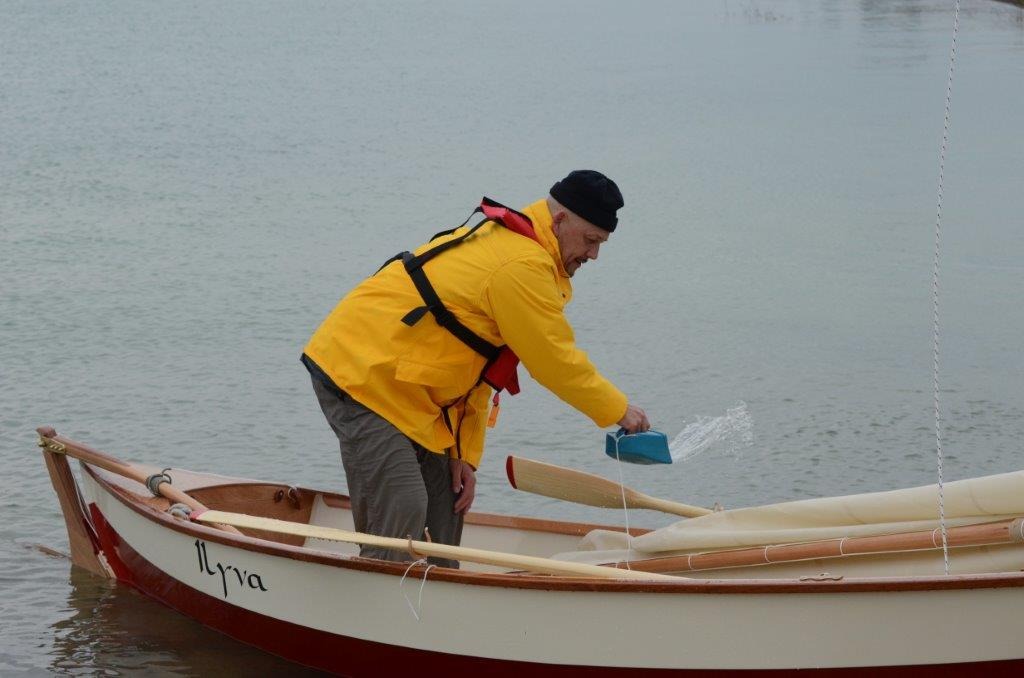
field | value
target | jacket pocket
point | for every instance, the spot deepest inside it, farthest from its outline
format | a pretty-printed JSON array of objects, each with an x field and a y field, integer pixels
[
  {"x": 438, "y": 376},
  {"x": 444, "y": 382}
]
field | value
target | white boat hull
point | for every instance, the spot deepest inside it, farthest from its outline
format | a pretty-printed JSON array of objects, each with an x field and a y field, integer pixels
[{"x": 354, "y": 616}]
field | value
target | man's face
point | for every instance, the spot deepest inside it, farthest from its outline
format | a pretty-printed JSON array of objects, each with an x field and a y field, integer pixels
[{"x": 578, "y": 240}]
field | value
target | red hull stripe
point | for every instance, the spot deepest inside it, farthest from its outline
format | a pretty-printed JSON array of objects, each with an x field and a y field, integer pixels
[{"x": 354, "y": 657}]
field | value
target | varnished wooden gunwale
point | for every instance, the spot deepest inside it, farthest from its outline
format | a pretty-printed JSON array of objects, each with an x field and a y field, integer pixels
[
  {"x": 526, "y": 581},
  {"x": 50, "y": 439}
]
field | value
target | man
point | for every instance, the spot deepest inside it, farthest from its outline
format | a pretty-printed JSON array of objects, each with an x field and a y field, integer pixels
[{"x": 406, "y": 363}]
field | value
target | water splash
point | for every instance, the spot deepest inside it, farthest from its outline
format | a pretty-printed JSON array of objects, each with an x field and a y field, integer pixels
[{"x": 734, "y": 429}]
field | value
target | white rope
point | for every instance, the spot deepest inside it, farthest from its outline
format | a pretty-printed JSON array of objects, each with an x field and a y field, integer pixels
[
  {"x": 419, "y": 602},
  {"x": 625, "y": 508},
  {"x": 935, "y": 293}
]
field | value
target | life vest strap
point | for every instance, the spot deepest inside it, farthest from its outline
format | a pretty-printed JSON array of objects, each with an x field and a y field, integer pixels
[
  {"x": 418, "y": 261},
  {"x": 442, "y": 315},
  {"x": 423, "y": 258},
  {"x": 449, "y": 231},
  {"x": 500, "y": 369}
]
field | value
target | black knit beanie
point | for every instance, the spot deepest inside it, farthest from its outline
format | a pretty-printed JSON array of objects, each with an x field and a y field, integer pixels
[{"x": 590, "y": 195}]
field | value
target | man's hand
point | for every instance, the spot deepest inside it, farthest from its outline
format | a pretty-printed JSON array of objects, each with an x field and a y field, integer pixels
[
  {"x": 463, "y": 484},
  {"x": 635, "y": 420}
]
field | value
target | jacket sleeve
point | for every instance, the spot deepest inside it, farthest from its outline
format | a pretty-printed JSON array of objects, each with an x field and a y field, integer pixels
[
  {"x": 473, "y": 424},
  {"x": 527, "y": 307}
]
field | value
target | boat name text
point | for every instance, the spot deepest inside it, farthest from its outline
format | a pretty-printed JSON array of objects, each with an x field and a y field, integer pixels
[{"x": 228, "y": 573}]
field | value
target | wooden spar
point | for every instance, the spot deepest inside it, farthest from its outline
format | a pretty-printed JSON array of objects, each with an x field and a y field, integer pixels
[
  {"x": 1002, "y": 532},
  {"x": 586, "y": 488},
  {"x": 53, "y": 443},
  {"x": 423, "y": 548}
]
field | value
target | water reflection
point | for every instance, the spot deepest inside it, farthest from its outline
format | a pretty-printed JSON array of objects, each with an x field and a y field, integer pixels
[{"x": 107, "y": 629}]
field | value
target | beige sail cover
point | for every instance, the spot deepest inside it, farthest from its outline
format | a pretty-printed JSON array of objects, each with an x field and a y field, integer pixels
[{"x": 975, "y": 500}]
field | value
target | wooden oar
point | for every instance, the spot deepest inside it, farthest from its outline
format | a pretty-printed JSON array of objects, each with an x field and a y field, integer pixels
[
  {"x": 423, "y": 548},
  {"x": 52, "y": 442},
  {"x": 1002, "y": 532},
  {"x": 586, "y": 488},
  {"x": 49, "y": 440}
]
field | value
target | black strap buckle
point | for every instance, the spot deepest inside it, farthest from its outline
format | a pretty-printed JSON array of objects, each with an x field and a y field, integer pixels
[{"x": 415, "y": 315}]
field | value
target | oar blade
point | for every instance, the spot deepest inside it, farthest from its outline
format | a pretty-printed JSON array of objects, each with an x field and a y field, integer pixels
[
  {"x": 538, "y": 477},
  {"x": 580, "y": 487}
]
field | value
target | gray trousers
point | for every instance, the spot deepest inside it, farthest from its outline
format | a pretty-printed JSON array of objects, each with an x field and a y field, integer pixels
[{"x": 397, "y": 487}]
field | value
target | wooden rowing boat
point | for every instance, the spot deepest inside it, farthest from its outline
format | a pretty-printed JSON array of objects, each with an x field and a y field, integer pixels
[{"x": 309, "y": 598}]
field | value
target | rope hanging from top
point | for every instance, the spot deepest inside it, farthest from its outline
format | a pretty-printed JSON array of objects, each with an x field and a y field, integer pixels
[
  {"x": 625, "y": 507},
  {"x": 935, "y": 293}
]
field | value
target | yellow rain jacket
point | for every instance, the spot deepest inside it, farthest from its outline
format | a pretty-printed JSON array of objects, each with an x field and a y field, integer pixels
[{"x": 506, "y": 288}]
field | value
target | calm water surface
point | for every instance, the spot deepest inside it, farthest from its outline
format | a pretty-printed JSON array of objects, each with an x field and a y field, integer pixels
[{"x": 186, "y": 189}]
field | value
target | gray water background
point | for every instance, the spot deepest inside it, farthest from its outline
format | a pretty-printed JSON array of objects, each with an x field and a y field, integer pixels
[{"x": 186, "y": 189}]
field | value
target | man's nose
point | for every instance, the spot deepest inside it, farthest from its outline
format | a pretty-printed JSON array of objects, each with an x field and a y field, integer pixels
[{"x": 593, "y": 252}]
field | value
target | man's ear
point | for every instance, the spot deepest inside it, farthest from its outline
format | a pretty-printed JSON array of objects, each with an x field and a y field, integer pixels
[{"x": 556, "y": 221}]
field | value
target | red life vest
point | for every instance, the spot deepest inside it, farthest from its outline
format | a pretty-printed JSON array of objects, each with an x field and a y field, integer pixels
[{"x": 500, "y": 370}]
